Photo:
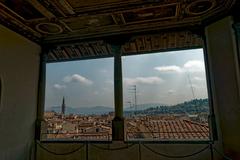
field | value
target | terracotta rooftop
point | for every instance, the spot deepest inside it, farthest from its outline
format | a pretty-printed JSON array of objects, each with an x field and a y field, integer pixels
[
  {"x": 165, "y": 128},
  {"x": 168, "y": 130}
]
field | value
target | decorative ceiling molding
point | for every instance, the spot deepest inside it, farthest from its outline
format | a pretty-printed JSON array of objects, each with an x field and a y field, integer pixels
[
  {"x": 136, "y": 45},
  {"x": 58, "y": 21},
  {"x": 49, "y": 28},
  {"x": 200, "y": 7},
  {"x": 37, "y": 5}
]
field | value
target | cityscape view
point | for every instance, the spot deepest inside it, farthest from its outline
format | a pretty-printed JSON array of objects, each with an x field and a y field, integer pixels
[{"x": 165, "y": 98}]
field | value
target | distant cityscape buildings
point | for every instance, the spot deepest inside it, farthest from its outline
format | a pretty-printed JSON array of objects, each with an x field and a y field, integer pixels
[
  {"x": 99, "y": 127},
  {"x": 149, "y": 124}
]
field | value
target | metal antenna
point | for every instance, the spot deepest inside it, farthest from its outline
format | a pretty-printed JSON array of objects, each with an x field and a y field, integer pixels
[
  {"x": 130, "y": 106},
  {"x": 135, "y": 95},
  {"x": 190, "y": 82},
  {"x": 134, "y": 89}
]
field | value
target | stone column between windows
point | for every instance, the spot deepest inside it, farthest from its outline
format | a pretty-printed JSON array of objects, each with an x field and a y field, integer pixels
[{"x": 118, "y": 121}]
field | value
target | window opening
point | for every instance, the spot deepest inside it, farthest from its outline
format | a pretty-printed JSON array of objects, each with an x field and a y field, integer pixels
[
  {"x": 79, "y": 101},
  {"x": 166, "y": 97}
]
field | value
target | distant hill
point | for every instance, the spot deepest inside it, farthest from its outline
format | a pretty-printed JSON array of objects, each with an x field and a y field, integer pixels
[
  {"x": 83, "y": 110},
  {"x": 98, "y": 109},
  {"x": 143, "y": 106},
  {"x": 189, "y": 107}
]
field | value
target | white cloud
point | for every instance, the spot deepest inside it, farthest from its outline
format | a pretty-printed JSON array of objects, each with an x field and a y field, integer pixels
[
  {"x": 77, "y": 78},
  {"x": 194, "y": 86},
  {"x": 169, "y": 69},
  {"x": 59, "y": 86},
  {"x": 198, "y": 79},
  {"x": 171, "y": 91},
  {"x": 143, "y": 80},
  {"x": 194, "y": 66}
]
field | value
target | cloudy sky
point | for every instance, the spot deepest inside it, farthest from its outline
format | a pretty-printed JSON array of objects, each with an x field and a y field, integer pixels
[{"x": 166, "y": 78}]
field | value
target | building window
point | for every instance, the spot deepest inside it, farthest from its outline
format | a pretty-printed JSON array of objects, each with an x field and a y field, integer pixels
[
  {"x": 79, "y": 101},
  {"x": 166, "y": 97}
]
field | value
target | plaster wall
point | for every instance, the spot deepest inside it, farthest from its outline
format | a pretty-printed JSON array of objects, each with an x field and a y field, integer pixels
[
  {"x": 224, "y": 71},
  {"x": 131, "y": 153},
  {"x": 19, "y": 68}
]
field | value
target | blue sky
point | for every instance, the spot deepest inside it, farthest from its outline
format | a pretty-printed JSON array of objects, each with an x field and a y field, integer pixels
[{"x": 164, "y": 78}]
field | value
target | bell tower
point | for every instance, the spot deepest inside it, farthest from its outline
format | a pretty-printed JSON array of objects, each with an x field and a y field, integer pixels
[{"x": 63, "y": 106}]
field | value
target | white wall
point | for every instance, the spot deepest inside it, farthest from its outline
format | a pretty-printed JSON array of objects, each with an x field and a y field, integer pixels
[{"x": 19, "y": 68}]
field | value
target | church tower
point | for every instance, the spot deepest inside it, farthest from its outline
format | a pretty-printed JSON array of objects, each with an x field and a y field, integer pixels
[{"x": 63, "y": 106}]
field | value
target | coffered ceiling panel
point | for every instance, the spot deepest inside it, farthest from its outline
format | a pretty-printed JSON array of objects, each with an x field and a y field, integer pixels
[
  {"x": 77, "y": 23},
  {"x": 59, "y": 21},
  {"x": 22, "y": 9},
  {"x": 78, "y": 4},
  {"x": 161, "y": 12}
]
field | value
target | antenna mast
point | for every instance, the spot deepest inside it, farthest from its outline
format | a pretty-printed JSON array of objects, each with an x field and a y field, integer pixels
[
  {"x": 190, "y": 82},
  {"x": 134, "y": 89},
  {"x": 135, "y": 95},
  {"x": 196, "y": 108}
]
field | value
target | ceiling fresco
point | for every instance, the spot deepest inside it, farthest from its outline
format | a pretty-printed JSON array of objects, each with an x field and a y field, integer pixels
[{"x": 59, "y": 21}]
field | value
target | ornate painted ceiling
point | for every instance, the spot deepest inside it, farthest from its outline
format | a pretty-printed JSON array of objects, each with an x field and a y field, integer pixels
[{"x": 61, "y": 21}]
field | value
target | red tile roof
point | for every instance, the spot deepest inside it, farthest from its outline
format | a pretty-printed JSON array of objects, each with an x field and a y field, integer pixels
[{"x": 176, "y": 129}]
